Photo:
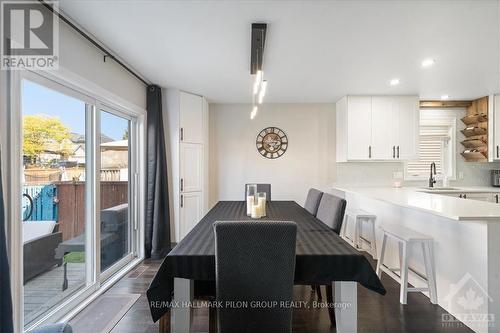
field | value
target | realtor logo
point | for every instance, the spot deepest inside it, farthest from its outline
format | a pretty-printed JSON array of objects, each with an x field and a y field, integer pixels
[
  {"x": 468, "y": 303},
  {"x": 30, "y": 35}
]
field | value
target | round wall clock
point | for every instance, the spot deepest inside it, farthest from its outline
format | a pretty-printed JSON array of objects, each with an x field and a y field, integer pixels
[{"x": 272, "y": 142}]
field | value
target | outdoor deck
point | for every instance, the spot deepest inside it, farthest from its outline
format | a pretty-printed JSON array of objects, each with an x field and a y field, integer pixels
[{"x": 44, "y": 291}]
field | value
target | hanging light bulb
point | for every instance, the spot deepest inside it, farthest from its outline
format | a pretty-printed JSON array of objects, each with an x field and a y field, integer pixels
[
  {"x": 262, "y": 92},
  {"x": 253, "y": 113}
]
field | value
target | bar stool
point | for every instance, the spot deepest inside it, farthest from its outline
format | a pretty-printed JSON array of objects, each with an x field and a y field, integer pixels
[
  {"x": 361, "y": 217},
  {"x": 405, "y": 238}
]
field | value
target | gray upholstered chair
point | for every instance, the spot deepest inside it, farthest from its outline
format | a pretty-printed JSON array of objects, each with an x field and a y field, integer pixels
[
  {"x": 312, "y": 200},
  {"x": 331, "y": 211},
  {"x": 254, "y": 261},
  {"x": 261, "y": 188},
  {"x": 56, "y": 328}
]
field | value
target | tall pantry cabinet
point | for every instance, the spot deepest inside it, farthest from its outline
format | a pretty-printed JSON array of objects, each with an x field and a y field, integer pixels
[{"x": 186, "y": 124}]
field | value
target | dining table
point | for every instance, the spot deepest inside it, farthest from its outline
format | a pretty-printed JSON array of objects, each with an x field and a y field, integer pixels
[{"x": 322, "y": 257}]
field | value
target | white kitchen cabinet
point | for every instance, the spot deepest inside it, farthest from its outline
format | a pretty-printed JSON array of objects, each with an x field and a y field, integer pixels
[
  {"x": 192, "y": 171},
  {"x": 487, "y": 197},
  {"x": 384, "y": 135},
  {"x": 377, "y": 128},
  {"x": 359, "y": 127},
  {"x": 191, "y": 211},
  {"x": 186, "y": 122},
  {"x": 408, "y": 128},
  {"x": 496, "y": 127},
  {"x": 191, "y": 117}
]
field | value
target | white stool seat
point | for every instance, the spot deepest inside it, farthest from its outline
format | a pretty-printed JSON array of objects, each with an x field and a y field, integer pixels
[
  {"x": 360, "y": 217},
  {"x": 405, "y": 237},
  {"x": 404, "y": 234}
]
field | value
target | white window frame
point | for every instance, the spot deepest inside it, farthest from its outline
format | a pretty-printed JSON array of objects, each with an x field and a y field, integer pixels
[
  {"x": 449, "y": 161},
  {"x": 71, "y": 84}
]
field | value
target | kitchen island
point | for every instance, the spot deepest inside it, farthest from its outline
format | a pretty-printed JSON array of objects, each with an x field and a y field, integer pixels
[{"x": 466, "y": 244}]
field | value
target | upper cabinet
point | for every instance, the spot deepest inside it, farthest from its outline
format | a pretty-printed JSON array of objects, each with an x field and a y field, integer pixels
[
  {"x": 377, "y": 128},
  {"x": 495, "y": 126},
  {"x": 191, "y": 117}
]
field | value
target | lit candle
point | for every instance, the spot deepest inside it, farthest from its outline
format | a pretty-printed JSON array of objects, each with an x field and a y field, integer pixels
[
  {"x": 255, "y": 212},
  {"x": 250, "y": 202}
]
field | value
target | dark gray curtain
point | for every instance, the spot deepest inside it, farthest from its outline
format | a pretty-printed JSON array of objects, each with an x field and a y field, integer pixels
[
  {"x": 157, "y": 226},
  {"x": 5, "y": 294}
]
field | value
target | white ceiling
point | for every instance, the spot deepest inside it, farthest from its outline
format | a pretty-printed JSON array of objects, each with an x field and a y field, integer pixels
[{"x": 316, "y": 51}]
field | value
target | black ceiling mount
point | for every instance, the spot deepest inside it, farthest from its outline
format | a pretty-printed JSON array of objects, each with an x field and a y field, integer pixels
[{"x": 257, "y": 47}]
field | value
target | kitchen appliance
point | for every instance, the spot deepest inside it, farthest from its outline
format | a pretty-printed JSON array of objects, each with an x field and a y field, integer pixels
[{"x": 495, "y": 178}]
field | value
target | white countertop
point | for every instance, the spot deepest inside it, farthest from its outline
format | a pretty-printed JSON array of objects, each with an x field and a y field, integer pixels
[{"x": 434, "y": 203}]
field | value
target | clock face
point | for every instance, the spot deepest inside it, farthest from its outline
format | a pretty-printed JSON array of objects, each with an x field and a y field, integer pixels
[{"x": 272, "y": 142}]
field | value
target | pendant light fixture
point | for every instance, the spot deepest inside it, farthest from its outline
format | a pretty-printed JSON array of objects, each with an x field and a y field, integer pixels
[{"x": 256, "y": 59}]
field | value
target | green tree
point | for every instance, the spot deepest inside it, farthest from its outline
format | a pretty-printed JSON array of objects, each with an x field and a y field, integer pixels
[
  {"x": 125, "y": 135},
  {"x": 43, "y": 133}
]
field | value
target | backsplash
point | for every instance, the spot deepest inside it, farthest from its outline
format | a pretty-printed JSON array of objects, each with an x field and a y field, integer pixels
[{"x": 382, "y": 174}]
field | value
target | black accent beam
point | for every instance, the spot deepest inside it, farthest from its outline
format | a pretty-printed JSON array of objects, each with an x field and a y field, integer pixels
[{"x": 257, "y": 46}]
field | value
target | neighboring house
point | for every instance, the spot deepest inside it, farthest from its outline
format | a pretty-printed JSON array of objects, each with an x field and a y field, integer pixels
[{"x": 114, "y": 160}]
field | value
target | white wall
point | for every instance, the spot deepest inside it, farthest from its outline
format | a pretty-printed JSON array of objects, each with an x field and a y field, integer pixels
[{"x": 234, "y": 159}]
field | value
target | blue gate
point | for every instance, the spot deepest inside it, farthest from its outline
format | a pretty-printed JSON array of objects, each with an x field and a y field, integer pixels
[{"x": 44, "y": 205}]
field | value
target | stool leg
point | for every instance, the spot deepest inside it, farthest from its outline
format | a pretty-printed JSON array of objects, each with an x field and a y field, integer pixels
[
  {"x": 344, "y": 226},
  {"x": 382, "y": 255},
  {"x": 357, "y": 232},
  {"x": 404, "y": 273},
  {"x": 373, "y": 241},
  {"x": 429, "y": 271}
]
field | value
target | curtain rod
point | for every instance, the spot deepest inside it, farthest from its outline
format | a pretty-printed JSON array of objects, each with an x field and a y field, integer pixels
[{"x": 107, "y": 54}]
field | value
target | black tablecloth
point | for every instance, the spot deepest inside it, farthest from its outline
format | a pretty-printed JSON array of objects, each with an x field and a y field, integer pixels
[{"x": 321, "y": 255}]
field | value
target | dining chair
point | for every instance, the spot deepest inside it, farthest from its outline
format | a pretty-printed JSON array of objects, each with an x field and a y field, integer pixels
[
  {"x": 261, "y": 188},
  {"x": 331, "y": 211},
  {"x": 312, "y": 200},
  {"x": 254, "y": 261}
]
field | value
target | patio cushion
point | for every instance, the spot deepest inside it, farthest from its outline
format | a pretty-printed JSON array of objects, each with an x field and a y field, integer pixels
[{"x": 36, "y": 229}]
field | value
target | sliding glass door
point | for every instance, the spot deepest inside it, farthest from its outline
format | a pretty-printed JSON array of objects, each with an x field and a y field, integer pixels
[
  {"x": 115, "y": 173},
  {"x": 54, "y": 191},
  {"x": 77, "y": 197}
]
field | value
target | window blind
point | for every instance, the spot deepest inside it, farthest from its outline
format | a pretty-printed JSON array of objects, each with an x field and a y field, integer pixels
[{"x": 430, "y": 150}]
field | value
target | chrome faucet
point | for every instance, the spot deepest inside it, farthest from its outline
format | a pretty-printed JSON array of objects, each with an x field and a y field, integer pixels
[{"x": 432, "y": 180}]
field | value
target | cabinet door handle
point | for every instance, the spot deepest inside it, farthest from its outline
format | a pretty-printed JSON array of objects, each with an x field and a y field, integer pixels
[
  {"x": 498, "y": 152},
  {"x": 397, "y": 151},
  {"x": 460, "y": 196},
  {"x": 496, "y": 198},
  {"x": 182, "y": 201},
  {"x": 182, "y": 134},
  {"x": 393, "y": 151},
  {"x": 182, "y": 184},
  {"x": 369, "y": 151},
  {"x": 465, "y": 196}
]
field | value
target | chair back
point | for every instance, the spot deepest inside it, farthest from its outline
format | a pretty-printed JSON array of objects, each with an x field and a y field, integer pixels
[
  {"x": 312, "y": 200},
  {"x": 331, "y": 211},
  {"x": 254, "y": 262},
  {"x": 261, "y": 188}
]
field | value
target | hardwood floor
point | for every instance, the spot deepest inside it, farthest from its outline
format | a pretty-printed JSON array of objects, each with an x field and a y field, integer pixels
[{"x": 376, "y": 313}]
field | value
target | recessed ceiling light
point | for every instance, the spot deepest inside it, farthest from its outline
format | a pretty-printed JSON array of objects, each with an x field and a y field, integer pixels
[
  {"x": 394, "y": 82},
  {"x": 445, "y": 97},
  {"x": 428, "y": 62}
]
